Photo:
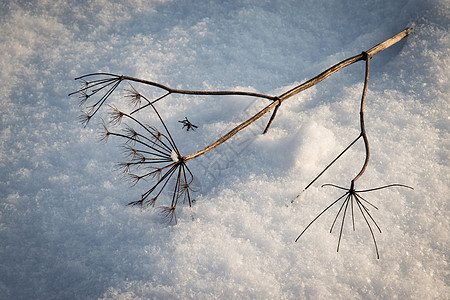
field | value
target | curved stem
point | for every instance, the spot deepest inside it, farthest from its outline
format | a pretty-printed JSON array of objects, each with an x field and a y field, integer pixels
[
  {"x": 187, "y": 92},
  {"x": 276, "y": 100},
  {"x": 232, "y": 132},
  {"x": 361, "y": 118},
  {"x": 172, "y": 142},
  {"x": 272, "y": 117}
]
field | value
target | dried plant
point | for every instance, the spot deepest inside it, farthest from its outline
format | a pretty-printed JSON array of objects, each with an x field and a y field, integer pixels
[
  {"x": 153, "y": 155},
  {"x": 351, "y": 195}
]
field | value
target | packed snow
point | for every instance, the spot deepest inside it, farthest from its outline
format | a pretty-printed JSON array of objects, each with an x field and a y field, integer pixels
[{"x": 66, "y": 231}]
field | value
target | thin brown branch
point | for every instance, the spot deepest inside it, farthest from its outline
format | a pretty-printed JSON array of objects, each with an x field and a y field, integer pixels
[
  {"x": 278, "y": 100},
  {"x": 102, "y": 85},
  {"x": 232, "y": 132},
  {"x": 272, "y": 117},
  {"x": 361, "y": 118},
  {"x": 326, "y": 168},
  {"x": 389, "y": 42},
  {"x": 371, "y": 52},
  {"x": 206, "y": 93}
]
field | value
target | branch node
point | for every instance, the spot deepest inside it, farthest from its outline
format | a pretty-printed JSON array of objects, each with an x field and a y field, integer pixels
[
  {"x": 365, "y": 55},
  {"x": 275, "y": 99}
]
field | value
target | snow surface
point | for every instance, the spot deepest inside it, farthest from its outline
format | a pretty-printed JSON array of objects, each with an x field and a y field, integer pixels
[{"x": 65, "y": 229}]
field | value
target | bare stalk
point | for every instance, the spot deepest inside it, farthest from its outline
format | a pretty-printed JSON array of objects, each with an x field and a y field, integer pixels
[
  {"x": 351, "y": 195},
  {"x": 157, "y": 147},
  {"x": 361, "y": 118},
  {"x": 233, "y": 131},
  {"x": 278, "y": 100},
  {"x": 198, "y": 93}
]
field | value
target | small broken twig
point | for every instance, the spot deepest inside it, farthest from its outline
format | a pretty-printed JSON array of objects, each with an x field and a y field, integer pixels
[
  {"x": 188, "y": 125},
  {"x": 351, "y": 195}
]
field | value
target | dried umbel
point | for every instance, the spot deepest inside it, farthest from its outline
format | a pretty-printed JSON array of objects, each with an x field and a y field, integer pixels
[{"x": 153, "y": 155}]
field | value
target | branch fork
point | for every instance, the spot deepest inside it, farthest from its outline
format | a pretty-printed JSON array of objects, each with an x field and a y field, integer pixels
[
  {"x": 351, "y": 195},
  {"x": 155, "y": 154}
]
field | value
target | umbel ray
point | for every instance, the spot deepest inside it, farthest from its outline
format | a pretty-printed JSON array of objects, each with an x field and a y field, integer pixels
[{"x": 153, "y": 155}]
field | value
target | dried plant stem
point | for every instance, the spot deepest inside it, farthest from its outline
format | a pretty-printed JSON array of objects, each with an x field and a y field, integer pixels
[
  {"x": 272, "y": 117},
  {"x": 278, "y": 100},
  {"x": 361, "y": 135},
  {"x": 361, "y": 118},
  {"x": 233, "y": 131},
  {"x": 351, "y": 195},
  {"x": 156, "y": 147},
  {"x": 313, "y": 81},
  {"x": 187, "y": 92},
  {"x": 329, "y": 165}
]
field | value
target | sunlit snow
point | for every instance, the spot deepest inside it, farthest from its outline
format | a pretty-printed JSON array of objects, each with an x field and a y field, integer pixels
[{"x": 66, "y": 231}]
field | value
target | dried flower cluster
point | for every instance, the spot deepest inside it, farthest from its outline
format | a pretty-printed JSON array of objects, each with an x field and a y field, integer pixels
[{"x": 152, "y": 155}]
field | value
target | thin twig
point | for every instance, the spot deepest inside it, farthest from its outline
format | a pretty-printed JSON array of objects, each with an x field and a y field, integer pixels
[
  {"x": 351, "y": 194},
  {"x": 361, "y": 114},
  {"x": 302, "y": 87},
  {"x": 158, "y": 151},
  {"x": 272, "y": 117}
]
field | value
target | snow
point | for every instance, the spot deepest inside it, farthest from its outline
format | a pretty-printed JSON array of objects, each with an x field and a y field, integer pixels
[
  {"x": 174, "y": 156},
  {"x": 65, "y": 229}
]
